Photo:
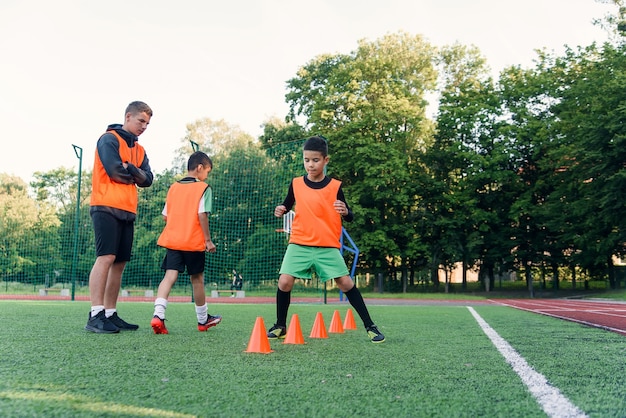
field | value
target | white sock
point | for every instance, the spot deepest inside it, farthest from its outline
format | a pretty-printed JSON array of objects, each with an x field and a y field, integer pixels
[
  {"x": 201, "y": 313},
  {"x": 160, "y": 304},
  {"x": 95, "y": 310},
  {"x": 109, "y": 312}
]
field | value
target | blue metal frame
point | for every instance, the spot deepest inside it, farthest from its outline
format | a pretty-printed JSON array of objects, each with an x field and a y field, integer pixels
[{"x": 351, "y": 248}]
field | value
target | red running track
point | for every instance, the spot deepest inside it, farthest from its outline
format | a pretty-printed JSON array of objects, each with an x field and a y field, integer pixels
[
  {"x": 610, "y": 316},
  {"x": 606, "y": 315}
]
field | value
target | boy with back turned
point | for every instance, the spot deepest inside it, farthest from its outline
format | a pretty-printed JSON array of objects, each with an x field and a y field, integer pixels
[{"x": 187, "y": 238}]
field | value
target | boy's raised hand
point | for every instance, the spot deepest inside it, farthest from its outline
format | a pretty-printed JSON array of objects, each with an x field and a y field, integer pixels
[
  {"x": 340, "y": 207},
  {"x": 280, "y": 211}
]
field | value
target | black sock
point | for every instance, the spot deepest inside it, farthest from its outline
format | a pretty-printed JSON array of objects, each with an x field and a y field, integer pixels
[
  {"x": 356, "y": 300},
  {"x": 283, "y": 300}
]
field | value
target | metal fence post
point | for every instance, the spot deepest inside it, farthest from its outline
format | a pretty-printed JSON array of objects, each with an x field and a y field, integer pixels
[{"x": 79, "y": 154}]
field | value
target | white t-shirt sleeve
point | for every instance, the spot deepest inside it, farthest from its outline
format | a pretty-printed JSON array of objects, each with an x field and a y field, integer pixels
[
  {"x": 205, "y": 205},
  {"x": 206, "y": 202}
]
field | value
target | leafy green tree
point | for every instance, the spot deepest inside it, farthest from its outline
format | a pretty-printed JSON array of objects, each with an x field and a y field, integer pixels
[
  {"x": 276, "y": 133},
  {"x": 591, "y": 155},
  {"x": 614, "y": 22},
  {"x": 463, "y": 164},
  {"x": 371, "y": 106},
  {"x": 246, "y": 184},
  {"x": 58, "y": 188},
  {"x": 528, "y": 97},
  {"x": 213, "y": 137},
  {"x": 28, "y": 234}
]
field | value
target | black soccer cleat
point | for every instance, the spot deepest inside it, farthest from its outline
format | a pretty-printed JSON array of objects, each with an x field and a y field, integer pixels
[
  {"x": 100, "y": 324},
  {"x": 375, "y": 335},
  {"x": 121, "y": 324},
  {"x": 276, "y": 332}
]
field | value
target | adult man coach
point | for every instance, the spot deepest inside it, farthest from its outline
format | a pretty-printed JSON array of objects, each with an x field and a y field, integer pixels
[{"x": 120, "y": 166}]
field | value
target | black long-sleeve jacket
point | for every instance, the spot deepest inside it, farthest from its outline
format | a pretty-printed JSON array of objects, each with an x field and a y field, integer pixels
[{"x": 108, "y": 151}]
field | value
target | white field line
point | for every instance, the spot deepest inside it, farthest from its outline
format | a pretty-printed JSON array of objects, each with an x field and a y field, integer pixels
[{"x": 553, "y": 403}]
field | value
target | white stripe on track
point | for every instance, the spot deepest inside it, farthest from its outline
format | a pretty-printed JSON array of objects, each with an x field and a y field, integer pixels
[{"x": 553, "y": 403}]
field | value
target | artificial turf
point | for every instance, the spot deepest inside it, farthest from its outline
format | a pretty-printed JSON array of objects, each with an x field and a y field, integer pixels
[{"x": 436, "y": 362}]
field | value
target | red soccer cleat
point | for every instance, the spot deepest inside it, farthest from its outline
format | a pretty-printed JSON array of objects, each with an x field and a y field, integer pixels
[
  {"x": 158, "y": 325},
  {"x": 211, "y": 321}
]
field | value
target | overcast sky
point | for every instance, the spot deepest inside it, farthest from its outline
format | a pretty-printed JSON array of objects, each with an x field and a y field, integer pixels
[{"x": 70, "y": 67}]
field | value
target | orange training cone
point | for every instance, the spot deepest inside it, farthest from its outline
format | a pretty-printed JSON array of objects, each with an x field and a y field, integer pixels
[
  {"x": 349, "y": 323},
  {"x": 294, "y": 331},
  {"x": 319, "y": 329},
  {"x": 259, "y": 343},
  {"x": 335, "y": 324}
]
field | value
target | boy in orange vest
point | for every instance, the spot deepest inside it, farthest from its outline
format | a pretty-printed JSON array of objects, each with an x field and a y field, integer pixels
[
  {"x": 314, "y": 243},
  {"x": 187, "y": 238},
  {"x": 120, "y": 166}
]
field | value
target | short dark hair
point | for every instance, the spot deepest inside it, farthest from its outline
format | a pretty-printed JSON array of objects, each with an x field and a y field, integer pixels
[
  {"x": 197, "y": 158},
  {"x": 138, "y": 107},
  {"x": 316, "y": 143}
]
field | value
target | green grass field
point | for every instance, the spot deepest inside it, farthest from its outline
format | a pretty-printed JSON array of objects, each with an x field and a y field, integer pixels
[{"x": 436, "y": 362}]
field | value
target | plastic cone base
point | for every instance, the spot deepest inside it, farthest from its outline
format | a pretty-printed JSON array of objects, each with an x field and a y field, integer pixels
[
  {"x": 294, "y": 331},
  {"x": 259, "y": 343},
  {"x": 349, "y": 323},
  {"x": 335, "y": 324},
  {"x": 319, "y": 328}
]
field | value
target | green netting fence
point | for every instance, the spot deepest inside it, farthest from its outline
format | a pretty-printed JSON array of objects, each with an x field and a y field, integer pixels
[{"x": 54, "y": 249}]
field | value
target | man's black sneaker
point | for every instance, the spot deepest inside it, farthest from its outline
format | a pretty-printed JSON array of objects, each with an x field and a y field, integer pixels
[
  {"x": 121, "y": 324},
  {"x": 101, "y": 324},
  {"x": 375, "y": 335},
  {"x": 277, "y": 331}
]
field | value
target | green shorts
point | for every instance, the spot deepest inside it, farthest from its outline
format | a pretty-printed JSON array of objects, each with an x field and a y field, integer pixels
[{"x": 301, "y": 261}]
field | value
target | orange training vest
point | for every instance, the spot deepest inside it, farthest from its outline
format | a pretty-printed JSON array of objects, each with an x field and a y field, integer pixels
[
  {"x": 317, "y": 223},
  {"x": 106, "y": 192},
  {"x": 182, "y": 230}
]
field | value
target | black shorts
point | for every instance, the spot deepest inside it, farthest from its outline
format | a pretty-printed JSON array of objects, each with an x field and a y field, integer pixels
[
  {"x": 178, "y": 260},
  {"x": 113, "y": 236}
]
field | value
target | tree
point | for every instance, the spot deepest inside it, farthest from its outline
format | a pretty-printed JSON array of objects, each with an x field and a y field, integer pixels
[
  {"x": 248, "y": 180},
  {"x": 213, "y": 137},
  {"x": 371, "y": 104},
  {"x": 467, "y": 166},
  {"x": 591, "y": 154},
  {"x": 526, "y": 108},
  {"x": 59, "y": 187},
  {"x": 28, "y": 234},
  {"x": 614, "y": 23}
]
